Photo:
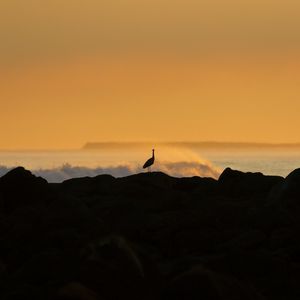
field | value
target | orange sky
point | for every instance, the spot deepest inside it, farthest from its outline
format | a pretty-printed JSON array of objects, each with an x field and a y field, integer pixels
[{"x": 72, "y": 72}]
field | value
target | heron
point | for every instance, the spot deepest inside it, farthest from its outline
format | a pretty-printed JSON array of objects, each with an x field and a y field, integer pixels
[{"x": 149, "y": 162}]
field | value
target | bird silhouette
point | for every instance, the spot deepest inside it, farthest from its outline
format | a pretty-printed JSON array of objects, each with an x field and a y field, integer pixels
[{"x": 149, "y": 162}]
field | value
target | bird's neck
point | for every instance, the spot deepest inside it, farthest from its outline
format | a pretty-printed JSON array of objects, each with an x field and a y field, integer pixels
[{"x": 152, "y": 153}]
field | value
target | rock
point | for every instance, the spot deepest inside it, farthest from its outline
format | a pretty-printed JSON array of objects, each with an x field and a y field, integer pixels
[
  {"x": 246, "y": 240},
  {"x": 283, "y": 237},
  {"x": 22, "y": 292},
  {"x": 288, "y": 192},
  {"x": 20, "y": 187},
  {"x": 203, "y": 185},
  {"x": 2, "y": 268},
  {"x": 46, "y": 267},
  {"x": 143, "y": 236},
  {"x": 144, "y": 185},
  {"x": 20, "y": 176},
  {"x": 112, "y": 268},
  {"x": 253, "y": 265},
  {"x": 88, "y": 186},
  {"x": 76, "y": 291},
  {"x": 236, "y": 183},
  {"x": 201, "y": 283}
]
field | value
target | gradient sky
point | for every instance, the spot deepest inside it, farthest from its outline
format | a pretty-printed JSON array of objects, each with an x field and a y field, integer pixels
[{"x": 75, "y": 71}]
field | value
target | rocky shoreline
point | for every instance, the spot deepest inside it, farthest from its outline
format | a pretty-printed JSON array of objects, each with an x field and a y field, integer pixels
[{"x": 150, "y": 236}]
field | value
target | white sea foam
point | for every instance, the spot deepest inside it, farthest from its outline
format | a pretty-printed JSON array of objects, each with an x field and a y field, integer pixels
[{"x": 178, "y": 169}]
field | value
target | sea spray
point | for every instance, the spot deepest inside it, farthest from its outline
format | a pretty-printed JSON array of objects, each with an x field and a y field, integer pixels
[
  {"x": 178, "y": 169},
  {"x": 178, "y": 162}
]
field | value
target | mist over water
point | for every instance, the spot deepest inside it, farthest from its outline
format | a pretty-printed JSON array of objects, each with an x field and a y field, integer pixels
[
  {"x": 57, "y": 166},
  {"x": 177, "y": 169}
]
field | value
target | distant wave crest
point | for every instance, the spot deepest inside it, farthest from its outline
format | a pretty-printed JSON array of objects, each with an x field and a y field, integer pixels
[{"x": 177, "y": 169}]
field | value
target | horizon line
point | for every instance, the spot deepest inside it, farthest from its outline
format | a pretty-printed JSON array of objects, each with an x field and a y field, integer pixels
[{"x": 97, "y": 145}]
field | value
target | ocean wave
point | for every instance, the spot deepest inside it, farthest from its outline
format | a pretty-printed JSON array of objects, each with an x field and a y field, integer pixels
[{"x": 177, "y": 169}]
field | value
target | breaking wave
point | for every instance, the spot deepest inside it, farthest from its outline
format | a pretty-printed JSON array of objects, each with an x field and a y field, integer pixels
[{"x": 177, "y": 169}]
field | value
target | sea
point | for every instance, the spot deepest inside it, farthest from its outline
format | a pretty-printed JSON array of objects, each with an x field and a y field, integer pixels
[{"x": 60, "y": 165}]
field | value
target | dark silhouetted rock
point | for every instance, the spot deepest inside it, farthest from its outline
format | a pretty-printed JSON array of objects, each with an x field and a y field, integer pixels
[
  {"x": 88, "y": 186},
  {"x": 76, "y": 291},
  {"x": 150, "y": 236},
  {"x": 237, "y": 183},
  {"x": 288, "y": 192},
  {"x": 21, "y": 187},
  {"x": 111, "y": 262},
  {"x": 204, "y": 185},
  {"x": 201, "y": 283}
]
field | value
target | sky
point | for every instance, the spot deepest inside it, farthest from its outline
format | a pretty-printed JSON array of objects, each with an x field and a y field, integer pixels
[{"x": 75, "y": 71}]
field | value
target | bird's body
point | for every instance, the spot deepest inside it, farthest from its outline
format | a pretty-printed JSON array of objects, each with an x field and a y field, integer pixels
[{"x": 149, "y": 162}]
